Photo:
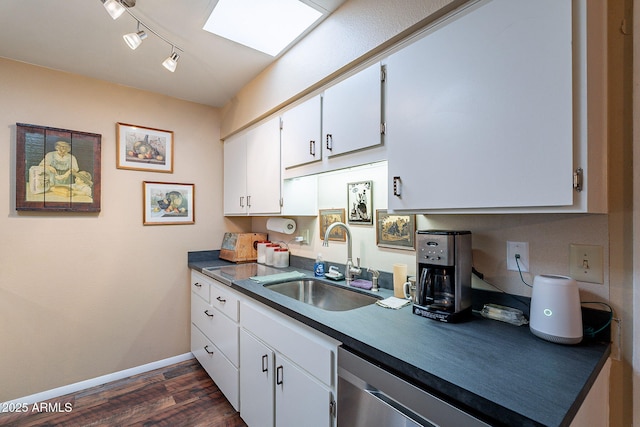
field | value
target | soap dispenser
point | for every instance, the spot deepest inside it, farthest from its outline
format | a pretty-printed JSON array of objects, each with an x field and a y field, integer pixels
[{"x": 318, "y": 267}]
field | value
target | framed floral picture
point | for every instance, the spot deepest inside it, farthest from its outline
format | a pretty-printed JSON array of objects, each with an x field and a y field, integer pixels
[
  {"x": 142, "y": 148},
  {"x": 359, "y": 199},
  {"x": 328, "y": 217},
  {"x": 57, "y": 169},
  {"x": 168, "y": 203},
  {"x": 395, "y": 231}
]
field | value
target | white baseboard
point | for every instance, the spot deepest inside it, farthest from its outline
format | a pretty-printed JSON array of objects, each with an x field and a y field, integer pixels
[{"x": 72, "y": 388}]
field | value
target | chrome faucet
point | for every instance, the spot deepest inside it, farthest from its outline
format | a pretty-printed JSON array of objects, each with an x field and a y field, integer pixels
[{"x": 350, "y": 270}]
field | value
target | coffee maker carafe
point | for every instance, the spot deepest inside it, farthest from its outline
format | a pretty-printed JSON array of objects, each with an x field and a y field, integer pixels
[{"x": 443, "y": 282}]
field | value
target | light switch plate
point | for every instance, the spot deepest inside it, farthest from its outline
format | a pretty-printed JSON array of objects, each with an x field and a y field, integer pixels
[{"x": 586, "y": 263}]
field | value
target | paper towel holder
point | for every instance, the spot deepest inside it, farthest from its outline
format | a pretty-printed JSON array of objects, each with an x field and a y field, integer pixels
[{"x": 281, "y": 225}]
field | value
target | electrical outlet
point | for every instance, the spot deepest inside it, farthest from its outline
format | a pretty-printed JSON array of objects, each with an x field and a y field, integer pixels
[
  {"x": 303, "y": 238},
  {"x": 585, "y": 263},
  {"x": 522, "y": 249}
]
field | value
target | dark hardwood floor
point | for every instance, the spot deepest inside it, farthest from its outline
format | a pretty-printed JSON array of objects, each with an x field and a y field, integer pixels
[{"x": 177, "y": 395}]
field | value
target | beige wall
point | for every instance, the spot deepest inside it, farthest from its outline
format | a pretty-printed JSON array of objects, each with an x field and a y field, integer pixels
[{"x": 83, "y": 295}]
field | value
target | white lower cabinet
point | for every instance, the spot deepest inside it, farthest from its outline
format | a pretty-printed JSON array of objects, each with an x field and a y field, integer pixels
[
  {"x": 273, "y": 369},
  {"x": 214, "y": 333},
  {"x": 287, "y": 375},
  {"x": 257, "y": 381},
  {"x": 300, "y": 397}
]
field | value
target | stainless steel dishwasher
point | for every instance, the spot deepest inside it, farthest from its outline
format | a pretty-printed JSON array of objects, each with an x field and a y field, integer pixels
[{"x": 369, "y": 396}]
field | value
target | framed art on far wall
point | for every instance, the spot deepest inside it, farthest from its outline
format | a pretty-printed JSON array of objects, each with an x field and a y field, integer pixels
[
  {"x": 328, "y": 217},
  {"x": 145, "y": 149},
  {"x": 57, "y": 169},
  {"x": 168, "y": 203},
  {"x": 395, "y": 231},
  {"x": 359, "y": 202}
]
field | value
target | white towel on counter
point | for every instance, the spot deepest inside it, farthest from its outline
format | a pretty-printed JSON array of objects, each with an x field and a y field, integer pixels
[
  {"x": 393, "y": 302},
  {"x": 280, "y": 277}
]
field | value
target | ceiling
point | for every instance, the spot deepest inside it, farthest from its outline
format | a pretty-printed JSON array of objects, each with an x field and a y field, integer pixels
[{"x": 79, "y": 36}]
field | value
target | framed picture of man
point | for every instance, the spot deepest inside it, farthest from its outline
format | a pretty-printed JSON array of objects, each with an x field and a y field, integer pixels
[{"x": 57, "y": 169}]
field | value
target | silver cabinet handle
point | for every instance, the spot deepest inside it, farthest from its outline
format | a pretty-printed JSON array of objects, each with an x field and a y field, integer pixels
[
  {"x": 329, "y": 142},
  {"x": 397, "y": 186},
  {"x": 249, "y": 201},
  {"x": 207, "y": 313},
  {"x": 242, "y": 201},
  {"x": 312, "y": 148},
  {"x": 265, "y": 363}
]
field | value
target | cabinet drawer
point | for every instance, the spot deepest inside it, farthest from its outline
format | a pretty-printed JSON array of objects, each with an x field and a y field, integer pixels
[
  {"x": 218, "y": 328},
  {"x": 200, "y": 285},
  {"x": 224, "y": 374},
  {"x": 307, "y": 348},
  {"x": 225, "y": 300}
]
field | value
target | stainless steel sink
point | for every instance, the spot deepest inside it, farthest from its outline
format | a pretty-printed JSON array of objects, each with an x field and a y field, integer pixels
[{"x": 323, "y": 295}]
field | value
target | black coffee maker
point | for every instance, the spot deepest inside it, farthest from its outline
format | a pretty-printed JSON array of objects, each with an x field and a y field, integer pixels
[{"x": 443, "y": 285}]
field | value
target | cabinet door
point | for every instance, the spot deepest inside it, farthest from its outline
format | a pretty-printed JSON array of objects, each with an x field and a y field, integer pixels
[
  {"x": 263, "y": 168},
  {"x": 256, "y": 382},
  {"x": 352, "y": 113},
  {"x": 299, "y": 397},
  {"x": 301, "y": 134},
  {"x": 479, "y": 110},
  {"x": 235, "y": 175}
]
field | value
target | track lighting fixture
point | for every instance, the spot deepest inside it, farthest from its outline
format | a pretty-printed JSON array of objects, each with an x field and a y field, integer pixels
[
  {"x": 117, "y": 7},
  {"x": 172, "y": 61},
  {"x": 134, "y": 40}
]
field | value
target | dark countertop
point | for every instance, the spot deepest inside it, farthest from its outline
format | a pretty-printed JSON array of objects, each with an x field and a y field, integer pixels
[{"x": 496, "y": 371}]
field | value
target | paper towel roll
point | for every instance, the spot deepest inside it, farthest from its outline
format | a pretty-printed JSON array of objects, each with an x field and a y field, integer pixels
[{"x": 281, "y": 225}]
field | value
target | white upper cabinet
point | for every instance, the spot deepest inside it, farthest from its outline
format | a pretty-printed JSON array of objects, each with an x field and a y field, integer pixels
[
  {"x": 252, "y": 171},
  {"x": 235, "y": 175},
  {"x": 301, "y": 134},
  {"x": 352, "y": 116},
  {"x": 487, "y": 111}
]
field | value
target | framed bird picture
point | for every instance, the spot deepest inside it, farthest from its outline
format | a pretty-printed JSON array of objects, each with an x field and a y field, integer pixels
[{"x": 359, "y": 199}]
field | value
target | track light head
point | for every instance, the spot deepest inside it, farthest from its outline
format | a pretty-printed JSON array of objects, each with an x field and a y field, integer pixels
[
  {"x": 115, "y": 8},
  {"x": 171, "y": 62},
  {"x": 134, "y": 40}
]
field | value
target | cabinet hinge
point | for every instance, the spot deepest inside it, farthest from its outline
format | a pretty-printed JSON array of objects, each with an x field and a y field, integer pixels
[
  {"x": 577, "y": 179},
  {"x": 383, "y": 128},
  {"x": 281, "y": 202},
  {"x": 383, "y": 74}
]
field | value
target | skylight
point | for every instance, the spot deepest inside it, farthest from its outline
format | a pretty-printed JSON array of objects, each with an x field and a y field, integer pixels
[{"x": 265, "y": 25}]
